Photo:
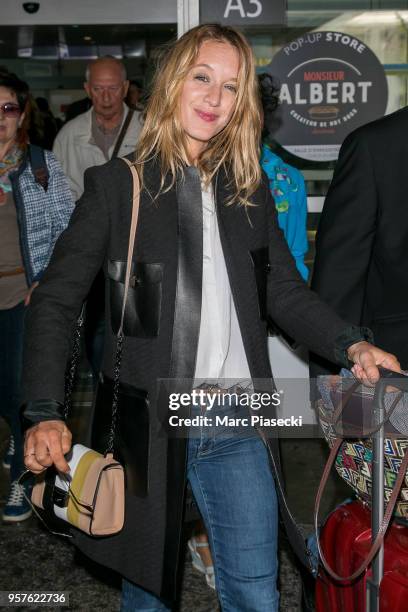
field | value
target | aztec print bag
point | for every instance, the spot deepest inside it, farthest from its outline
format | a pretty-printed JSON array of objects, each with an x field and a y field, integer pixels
[{"x": 353, "y": 422}]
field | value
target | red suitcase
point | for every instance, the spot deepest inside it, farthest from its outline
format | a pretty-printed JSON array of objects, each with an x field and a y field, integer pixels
[{"x": 345, "y": 540}]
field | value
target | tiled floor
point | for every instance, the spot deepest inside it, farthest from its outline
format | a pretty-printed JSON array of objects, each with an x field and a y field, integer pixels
[{"x": 32, "y": 559}]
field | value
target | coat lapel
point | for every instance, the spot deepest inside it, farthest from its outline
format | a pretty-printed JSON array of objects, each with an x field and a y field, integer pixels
[
  {"x": 187, "y": 314},
  {"x": 186, "y": 329}
]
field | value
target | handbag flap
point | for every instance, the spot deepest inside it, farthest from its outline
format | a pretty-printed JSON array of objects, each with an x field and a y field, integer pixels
[{"x": 86, "y": 476}]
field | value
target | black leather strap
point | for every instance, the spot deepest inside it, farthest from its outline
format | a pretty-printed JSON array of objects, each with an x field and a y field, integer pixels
[
  {"x": 122, "y": 134},
  {"x": 186, "y": 330}
]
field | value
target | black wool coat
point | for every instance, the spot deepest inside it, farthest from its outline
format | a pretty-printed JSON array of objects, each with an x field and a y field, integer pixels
[
  {"x": 263, "y": 279},
  {"x": 361, "y": 265}
]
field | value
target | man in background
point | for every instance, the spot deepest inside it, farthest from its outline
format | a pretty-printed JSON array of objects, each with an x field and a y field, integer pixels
[{"x": 108, "y": 129}]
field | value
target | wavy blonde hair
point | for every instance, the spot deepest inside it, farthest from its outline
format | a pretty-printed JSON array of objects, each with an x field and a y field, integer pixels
[{"x": 237, "y": 146}]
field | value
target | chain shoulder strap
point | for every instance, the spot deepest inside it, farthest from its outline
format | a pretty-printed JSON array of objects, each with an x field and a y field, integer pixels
[
  {"x": 119, "y": 341},
  {"x": 73, "y": 364},
  {"x": 76, "y": 348}
]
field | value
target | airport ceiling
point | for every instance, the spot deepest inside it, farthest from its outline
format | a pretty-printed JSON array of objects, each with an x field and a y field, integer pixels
[
  {"x": 127, "y": 41},
  {"x": 82, "y": 41},
  {"x": 137, "y": 41}
]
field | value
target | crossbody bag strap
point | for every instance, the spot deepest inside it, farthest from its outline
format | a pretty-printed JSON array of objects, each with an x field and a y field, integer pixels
[
  {"x": 132, "y": 236},
  {"x": 119, "y": 340},
  {"x": 295, "y": 536},
  {"x": 73, "y": 363},
  {"x": 122, "y": 133}
]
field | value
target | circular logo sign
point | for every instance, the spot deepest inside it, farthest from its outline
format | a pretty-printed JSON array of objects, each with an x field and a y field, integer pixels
[{"x": 331, "y": 83}]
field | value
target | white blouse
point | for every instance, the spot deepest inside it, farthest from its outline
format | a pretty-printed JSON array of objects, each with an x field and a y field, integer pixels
[{"x": 221, "y": 356}]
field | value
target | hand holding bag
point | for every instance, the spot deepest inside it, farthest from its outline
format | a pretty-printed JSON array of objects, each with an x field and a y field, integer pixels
[{"x": 91, "y": 497}]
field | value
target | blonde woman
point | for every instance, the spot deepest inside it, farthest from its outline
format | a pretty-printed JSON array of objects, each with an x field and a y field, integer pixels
[{"x": 210, "y": 264}]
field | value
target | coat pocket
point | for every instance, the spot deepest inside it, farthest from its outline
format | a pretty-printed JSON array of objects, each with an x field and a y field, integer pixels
[
  {"x": 143, "y": 305},
  {"x": 260, "y": 261}
]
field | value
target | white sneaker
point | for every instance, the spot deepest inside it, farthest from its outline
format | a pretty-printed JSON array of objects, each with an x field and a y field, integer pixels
[{"x": 198, "y": 563}]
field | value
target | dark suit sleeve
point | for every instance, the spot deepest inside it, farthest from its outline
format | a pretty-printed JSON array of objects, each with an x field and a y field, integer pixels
[
  {"x": 346, "y": 235},
  {"x": 55, "y": 305},
  {"x": 297, "y": 309}
]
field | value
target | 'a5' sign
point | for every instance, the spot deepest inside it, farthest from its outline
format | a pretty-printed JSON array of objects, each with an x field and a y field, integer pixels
[
  {"x": 238, "y": 6},
  {"x": 241, "y": 12}
]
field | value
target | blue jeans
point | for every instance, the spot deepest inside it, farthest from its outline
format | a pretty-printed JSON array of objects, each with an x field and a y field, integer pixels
[
  {"x": 235, "y": 492},
  {"x": 11, "y": 365}
]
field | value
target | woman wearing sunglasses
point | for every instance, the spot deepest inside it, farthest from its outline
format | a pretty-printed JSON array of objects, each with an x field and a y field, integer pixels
[
  {"x": 35, "y": 206},
  {"x": 210, "y": 264}
]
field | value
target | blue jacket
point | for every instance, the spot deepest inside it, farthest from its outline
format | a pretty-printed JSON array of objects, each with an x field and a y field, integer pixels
[
  {"x": 41, "y": 215},
  {"x": 288, "y": 190}
]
